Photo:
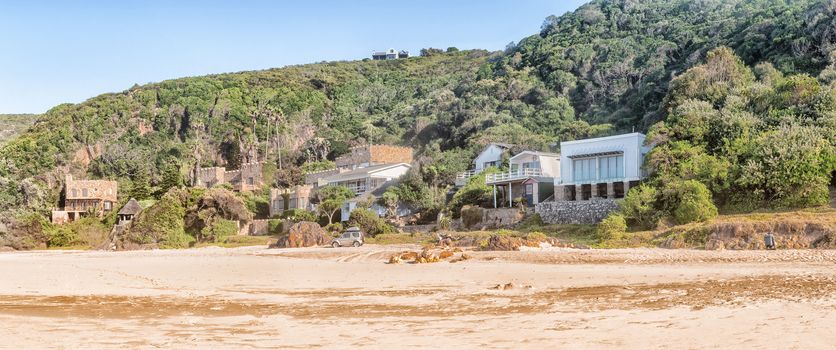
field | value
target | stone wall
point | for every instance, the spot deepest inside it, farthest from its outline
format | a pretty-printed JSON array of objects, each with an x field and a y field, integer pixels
[
  {"x": 576, "y": 212},
  {"x": 481, "y": 218}
]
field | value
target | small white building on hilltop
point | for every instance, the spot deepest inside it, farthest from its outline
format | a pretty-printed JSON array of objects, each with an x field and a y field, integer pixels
[
  {"x": 604, "y": 167},
  {"x": 390, "y": 54}
]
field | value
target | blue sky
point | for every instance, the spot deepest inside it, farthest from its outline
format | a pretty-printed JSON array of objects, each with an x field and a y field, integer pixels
[{"x": 53, "y": 52}]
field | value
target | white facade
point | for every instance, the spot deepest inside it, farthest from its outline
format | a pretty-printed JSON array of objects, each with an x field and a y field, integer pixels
[
  {"x": 604, "y": 159},
  {"x": 531, "y": 176},
  {"x": 490, "y": 156}
]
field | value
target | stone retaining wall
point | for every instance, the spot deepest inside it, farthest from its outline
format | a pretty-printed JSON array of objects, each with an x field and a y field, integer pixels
[{"x": 576, "y": 212}]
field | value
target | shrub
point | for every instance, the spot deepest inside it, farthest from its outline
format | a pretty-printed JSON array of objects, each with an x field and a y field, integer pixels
[
  {"x": 475, "y": 192},
  {"x": 218, "y": 230},
  {"x": 161, "y": 224},
  {"x": 334, "y": 228},
  {"x": 612, "y": 227},
  {"x": 275, "y": 226},
  {"x": 688, "y": 201},
  {"x": 369, "y": 222},
  {"x": 638, "y": 205},
  {"x": 298, "y": 215}
]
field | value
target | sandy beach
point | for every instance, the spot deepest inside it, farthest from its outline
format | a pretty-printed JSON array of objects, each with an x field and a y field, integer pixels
[{"x": 324, "y": 298}]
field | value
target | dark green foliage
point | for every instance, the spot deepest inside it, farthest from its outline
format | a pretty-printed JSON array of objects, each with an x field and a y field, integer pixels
[
  {"x": 475, "y": 192},
  {"x": 369, "y": 222},
  {"x": 299, "y": 215},
  {"x": 687, "y": 201},
  {"x": 161, "y": 224}
]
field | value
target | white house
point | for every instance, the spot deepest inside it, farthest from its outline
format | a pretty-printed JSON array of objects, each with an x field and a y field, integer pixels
[
  {"x": 531, "y": 177},
  {"x": 363, "y": 181},
  {"x": 491, "y": 156},
  {"x": 603, "y": 167}
]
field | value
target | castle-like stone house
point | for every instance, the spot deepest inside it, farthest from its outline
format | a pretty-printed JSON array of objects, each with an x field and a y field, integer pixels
[
  {"x": 247, "y": 178},
  {"x": 83, "y": 197}
]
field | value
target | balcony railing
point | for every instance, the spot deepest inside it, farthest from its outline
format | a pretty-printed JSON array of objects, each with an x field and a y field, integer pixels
[
  {"x": 515, "y": 174},
  {"x": 468, "y": 174}
]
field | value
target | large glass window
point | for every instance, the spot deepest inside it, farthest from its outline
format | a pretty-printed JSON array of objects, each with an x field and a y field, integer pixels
[
  {"x": 583, "y": 169},
  {"x": 611, "y": 167}
]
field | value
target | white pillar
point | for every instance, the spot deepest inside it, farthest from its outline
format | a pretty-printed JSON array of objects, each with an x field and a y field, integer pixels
[
  {"x": 593, "y": 190},
  {"x": 535, "y": 195},
  {"x": 510, "y": 195},
  {"x": 494, "y": 196},
  {"x": 610, "y": 190}
]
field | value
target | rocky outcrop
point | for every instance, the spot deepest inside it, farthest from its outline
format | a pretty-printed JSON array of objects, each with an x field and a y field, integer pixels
[
  {"x": 304, "y": 234},
  {"x": 576, "y": 212},
  {"x": 481, "y": 218}
]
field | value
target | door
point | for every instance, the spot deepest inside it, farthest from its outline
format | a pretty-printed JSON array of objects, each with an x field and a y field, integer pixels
[{"x": 529, "y": 194}]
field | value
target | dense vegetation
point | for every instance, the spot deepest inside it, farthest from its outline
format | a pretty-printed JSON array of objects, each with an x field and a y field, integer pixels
[
  {"x": 737, "y": 95},
  {"x": 13, "y": 124}
]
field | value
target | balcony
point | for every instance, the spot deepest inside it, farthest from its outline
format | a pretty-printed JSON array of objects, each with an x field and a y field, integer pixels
[
  {"x": 462, "y": 178},
  {"x": 518, "y": 174}
]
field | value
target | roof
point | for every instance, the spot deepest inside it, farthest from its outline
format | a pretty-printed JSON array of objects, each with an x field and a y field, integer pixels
[
  {"x": 131, "y": 208},
  {"x": 605, "y": 138},
  {"x": 537, "y": 153},
  {"x": 360, "y": 173},
  {"x": 376, "y": 192}
]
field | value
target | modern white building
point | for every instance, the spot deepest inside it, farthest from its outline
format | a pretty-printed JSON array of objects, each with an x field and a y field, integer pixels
[
  {"x": 491, "y": 156},
  {"x": 603, "y": 167},
  {"x": 531, "y": 176},
  {"x": 390, "y": 54}
]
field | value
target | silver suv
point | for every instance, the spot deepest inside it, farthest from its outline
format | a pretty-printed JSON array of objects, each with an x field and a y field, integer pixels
[{"x": 351, "y": 237}]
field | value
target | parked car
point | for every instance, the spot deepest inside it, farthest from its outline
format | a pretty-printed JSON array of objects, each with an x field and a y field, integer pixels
[{"x": 353, "y": 236}]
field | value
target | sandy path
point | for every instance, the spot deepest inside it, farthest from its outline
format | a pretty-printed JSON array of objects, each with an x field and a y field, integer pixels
[{"x": 348, "y": 298}]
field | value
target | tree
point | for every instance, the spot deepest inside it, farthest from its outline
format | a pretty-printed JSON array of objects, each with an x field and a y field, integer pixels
[
  {"x": 688, "y": 201},
  {"x": 638, "y": 205},
  {"x": 331, "y": 199}
]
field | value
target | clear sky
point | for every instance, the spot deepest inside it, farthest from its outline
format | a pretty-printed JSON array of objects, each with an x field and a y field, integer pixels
[{"x": 53, "y": 52}]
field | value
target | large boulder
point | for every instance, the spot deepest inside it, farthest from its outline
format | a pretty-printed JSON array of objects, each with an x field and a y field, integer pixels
[{"x": 304, "y": 234}]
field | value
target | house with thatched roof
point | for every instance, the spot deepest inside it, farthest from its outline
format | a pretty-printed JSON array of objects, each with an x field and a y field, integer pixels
[{"x": 129, "y": 211}]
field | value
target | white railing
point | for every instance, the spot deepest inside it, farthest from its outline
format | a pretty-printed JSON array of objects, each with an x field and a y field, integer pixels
[
  {"x": 468, "y": 174},
  {"x": 515, "y": 174}
]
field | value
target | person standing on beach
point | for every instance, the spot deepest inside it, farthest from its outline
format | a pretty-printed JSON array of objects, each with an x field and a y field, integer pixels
[{"x": 769, "y": 240}]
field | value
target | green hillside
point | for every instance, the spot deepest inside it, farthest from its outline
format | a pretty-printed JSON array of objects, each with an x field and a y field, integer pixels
[
  {"x": 740, "y": 97},
  {"x": 13, "y": 124}
]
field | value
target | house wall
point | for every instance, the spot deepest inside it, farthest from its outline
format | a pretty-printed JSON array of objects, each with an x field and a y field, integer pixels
[
  {"x": 631, "y": 144},
  {"x": 492, "y": 153},
  {"x": 95, "y": 189},
  {"x": 363, "y": 156},
  {"x": 298, "y": 198},
  {"x": 391, "y": 173},
  {"x": 550, "y": 164}
]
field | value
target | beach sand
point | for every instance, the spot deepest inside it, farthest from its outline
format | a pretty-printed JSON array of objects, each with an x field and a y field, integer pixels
[{"x": 324, "y": 298}]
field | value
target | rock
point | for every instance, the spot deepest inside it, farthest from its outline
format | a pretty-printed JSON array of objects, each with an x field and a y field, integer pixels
[
  {"x": 445, "y": 254},
  {"x": 504, "y": 243},
  {"x": 304, "y": 234}
]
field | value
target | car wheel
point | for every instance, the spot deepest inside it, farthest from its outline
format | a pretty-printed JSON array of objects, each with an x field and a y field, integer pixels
[
  {"x": 335, "y": 244},
  {"x": 356, "y": 244}
]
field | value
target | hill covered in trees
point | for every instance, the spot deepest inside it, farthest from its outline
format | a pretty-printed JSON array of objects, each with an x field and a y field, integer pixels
[
  {"x": 738, "y": 95},
  {"x": 13, "y": 124}
]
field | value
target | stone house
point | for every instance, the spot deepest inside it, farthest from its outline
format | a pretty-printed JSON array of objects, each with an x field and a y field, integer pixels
[
  {"x": 530, "y": 178},
  {"x": 83, "y": 197},
  {"x": 247, "y": 178},
  {"x": 298, "y": 197}
]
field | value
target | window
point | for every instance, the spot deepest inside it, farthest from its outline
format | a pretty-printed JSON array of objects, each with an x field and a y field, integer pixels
[
  {"x": 84, "y": 192},
  {"x": 356, "y": 234},
  {"x": 250, "y": 181},
  {"x": 611, "y": 167},
  {"x": 583, "y": 169},
  {"x": 531, "y": 165},
  {"x": 74, "y": 193},
  {"x": 107, "y": 205},
  {"x": 529, "y": 189}
]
